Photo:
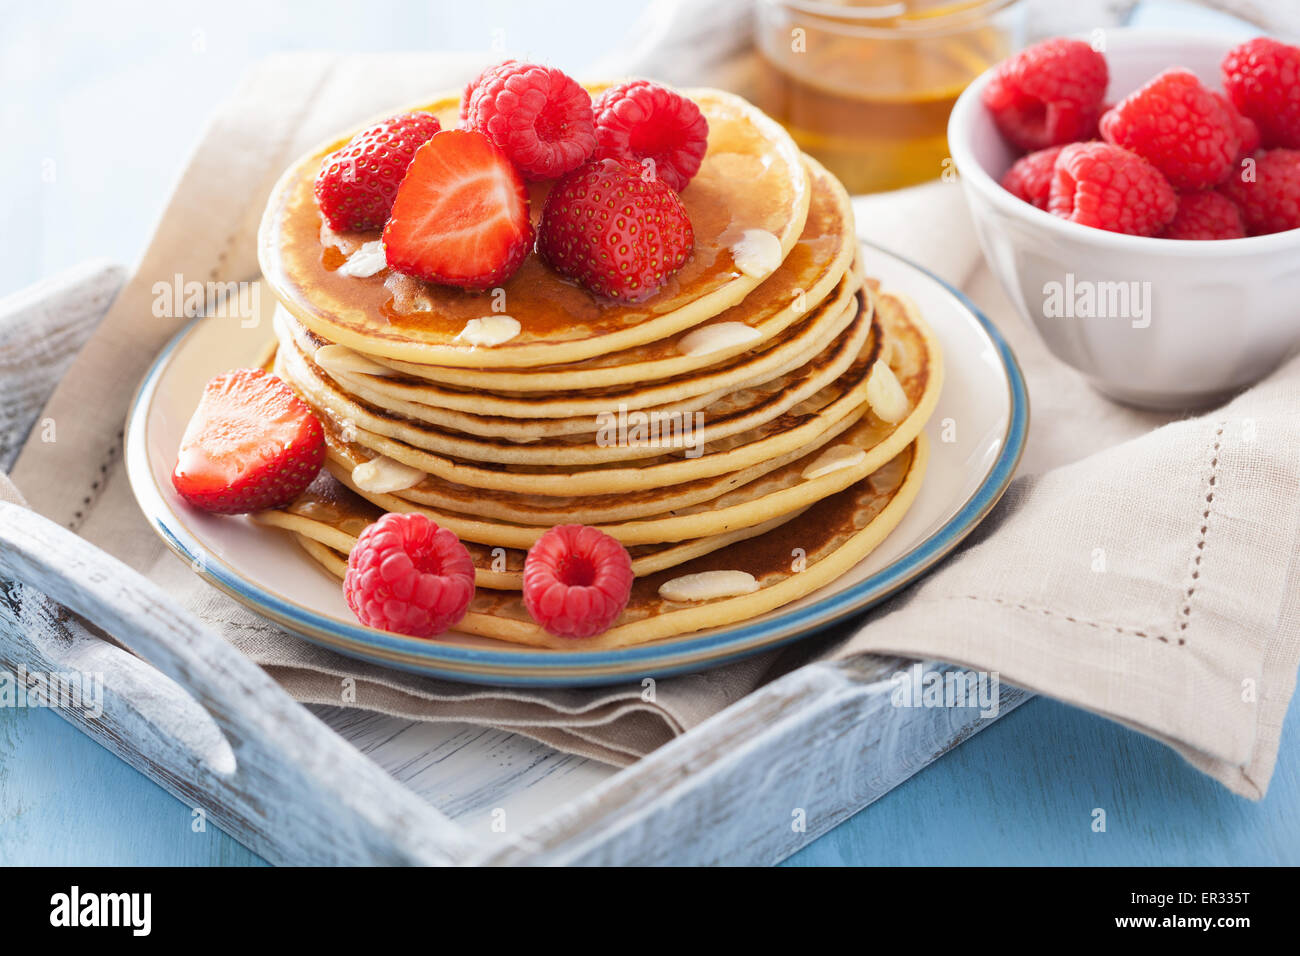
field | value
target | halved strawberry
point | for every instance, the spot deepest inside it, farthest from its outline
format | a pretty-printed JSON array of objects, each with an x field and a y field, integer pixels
[
  {"x": 252, "y": 444},
  {"x": 461, "y": 214}
]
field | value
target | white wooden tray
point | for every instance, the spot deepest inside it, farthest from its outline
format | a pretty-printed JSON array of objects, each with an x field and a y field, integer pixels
[{"x": 338, "y": 786}]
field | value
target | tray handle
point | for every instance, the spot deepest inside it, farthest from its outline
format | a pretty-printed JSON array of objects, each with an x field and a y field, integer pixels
[{"x": 287, "y": 764}]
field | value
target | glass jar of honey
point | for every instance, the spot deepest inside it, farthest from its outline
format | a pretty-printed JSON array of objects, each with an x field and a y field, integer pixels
[{"x": 866, "y": 86}]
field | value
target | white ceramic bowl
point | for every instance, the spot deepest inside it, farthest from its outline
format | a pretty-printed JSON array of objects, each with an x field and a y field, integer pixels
[{"x": 1201, "y": 320}]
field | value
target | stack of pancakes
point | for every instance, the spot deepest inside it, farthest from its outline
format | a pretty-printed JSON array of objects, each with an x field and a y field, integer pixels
[{"x": 762, "y": 413}]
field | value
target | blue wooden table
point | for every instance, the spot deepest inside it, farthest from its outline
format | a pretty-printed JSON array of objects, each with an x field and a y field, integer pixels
[{"x": 1023, "y": 791}]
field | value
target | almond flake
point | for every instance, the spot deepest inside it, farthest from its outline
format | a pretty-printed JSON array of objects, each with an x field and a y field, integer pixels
[
  {"x": 708, "y": 339},
  {"x": 885, "y": 396},
  {"x": 340, "y": 358},
  {"x": 383, "y": 475},
  {"x": 489, "y": 330},
  {"x": 833, "y": 459},
  {"x": 367, "y": 261},
  {"x": 758, "y": 253},
  {"x": 328, "y": 237},
  {"x": 708, "y": 585}
]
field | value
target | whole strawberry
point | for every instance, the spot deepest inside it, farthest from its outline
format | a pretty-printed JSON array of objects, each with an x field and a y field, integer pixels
[
  {"x": 1048, "y": 94},
  {"x": 619, "y": 234},
  {"x": 1107, "y": 187},
  {"x": 1180, "y": 127},
  {"x": 357, "y": 183},
  {"x": 251, "y": 444},
  {"x": 1262, "y": 77}
]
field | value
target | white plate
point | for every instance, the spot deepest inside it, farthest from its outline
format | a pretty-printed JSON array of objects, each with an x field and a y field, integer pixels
[{"x": 976, "y": 438}]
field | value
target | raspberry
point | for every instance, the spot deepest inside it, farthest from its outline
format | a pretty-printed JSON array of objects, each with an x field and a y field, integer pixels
[
  {"x": 541, "y": 118},
  {"x": 618, "y": 234},
  {"x": 473, "y": 85},
  {"x": 1107, "y": 187},
  {"x": 1094, "y": 132},
  {"x": 1247, "y": 129},
  {"x": 1271, "y": 202},
  {"x": 577, "y": 580},
  {"x": 1030, "y": 177},
  {"x": 648, "y": 123},
  {"x": 407, "y": 575},
  {"x": 357, "y": 183},
  {"x": 1048, "y": 94},
  {"x": 1180, "y": 127},
  {"x": 1262, "y": 77},
  {"x": 1205, "y": 215}
]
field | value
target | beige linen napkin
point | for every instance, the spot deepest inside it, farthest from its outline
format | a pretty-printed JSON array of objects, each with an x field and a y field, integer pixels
[{"x": 1197, "y": 523}]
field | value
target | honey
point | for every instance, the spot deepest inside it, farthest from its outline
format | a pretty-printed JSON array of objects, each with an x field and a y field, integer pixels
[{"x": 866, "y": 87}]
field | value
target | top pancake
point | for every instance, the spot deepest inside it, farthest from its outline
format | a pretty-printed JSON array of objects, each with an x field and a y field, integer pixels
[
  {"x": 813, "y": 272},
  {"x": 752, "y": 177}
]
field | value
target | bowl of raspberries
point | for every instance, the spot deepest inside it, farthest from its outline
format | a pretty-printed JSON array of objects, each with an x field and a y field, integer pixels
[{"x": 1137, "y": 193}]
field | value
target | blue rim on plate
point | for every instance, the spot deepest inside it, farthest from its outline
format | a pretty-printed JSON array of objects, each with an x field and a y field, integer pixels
[{"x": 548, "y": 668}]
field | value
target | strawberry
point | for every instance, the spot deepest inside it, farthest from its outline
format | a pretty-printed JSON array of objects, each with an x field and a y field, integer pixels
[
  {"x": 619, "y": 234},
  {"x": 356, "y": 183},
  {"x": 252, "y": 444},
  {"x": 461, "y": 214}
]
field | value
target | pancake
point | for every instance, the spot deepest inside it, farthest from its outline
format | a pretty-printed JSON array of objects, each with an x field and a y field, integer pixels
[
  {"x": 752, "y": 178},
  {"x": 332, "y": 516},
  {"x": 787, "y": 563},
  {"x": 865, "y": 446},
  {"x": 686, "y": 426},
  {"x": 329, "y": 559},
  {"x": 748, "y": 433},
  {"x": 814, "y": 270},
  {"x": 479, "y": 411},
  {"x": 782, "y": 491},
  {"x": 550, "y": 510},
  {"x": 917, "y": 362},
  {"x": 499, "y": 416}
]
